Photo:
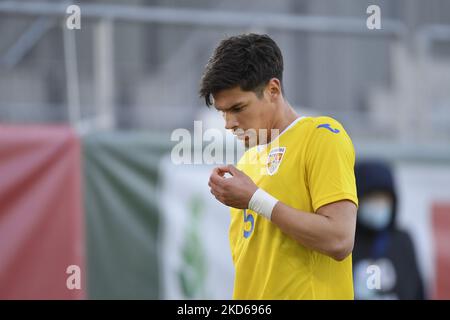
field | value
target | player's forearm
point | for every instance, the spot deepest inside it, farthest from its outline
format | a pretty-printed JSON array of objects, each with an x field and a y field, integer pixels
[{"x": 314, "y": 231}]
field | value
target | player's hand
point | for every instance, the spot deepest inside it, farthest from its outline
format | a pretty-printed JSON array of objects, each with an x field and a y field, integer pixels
[{"x": 235, "y": 191}]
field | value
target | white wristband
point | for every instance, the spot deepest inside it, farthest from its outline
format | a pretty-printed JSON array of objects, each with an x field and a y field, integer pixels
[{"x": 261, "y": 202}]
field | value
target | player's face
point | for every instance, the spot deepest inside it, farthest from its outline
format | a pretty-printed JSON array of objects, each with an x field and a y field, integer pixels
[{"x": 245, "y": 114}]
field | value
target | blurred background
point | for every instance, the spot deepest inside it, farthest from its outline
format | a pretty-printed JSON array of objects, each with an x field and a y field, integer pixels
[{"x": 86, "y": 176}]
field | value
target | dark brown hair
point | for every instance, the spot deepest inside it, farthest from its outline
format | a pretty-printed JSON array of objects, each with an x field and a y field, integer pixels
[{"x": 248, "y": 61}]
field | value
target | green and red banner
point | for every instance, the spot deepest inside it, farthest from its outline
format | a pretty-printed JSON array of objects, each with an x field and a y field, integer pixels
[{"x": 41, "y": 212}]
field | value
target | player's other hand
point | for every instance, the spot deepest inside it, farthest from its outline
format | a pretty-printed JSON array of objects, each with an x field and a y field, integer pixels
[{"x": 235, "y": 191}]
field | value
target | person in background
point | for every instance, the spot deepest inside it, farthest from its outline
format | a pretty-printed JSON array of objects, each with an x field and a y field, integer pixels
[{"x": 384, "y": 259}]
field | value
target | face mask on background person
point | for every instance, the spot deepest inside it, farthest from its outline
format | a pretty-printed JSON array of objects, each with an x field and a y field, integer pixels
[{"x": 375, "y": 212}]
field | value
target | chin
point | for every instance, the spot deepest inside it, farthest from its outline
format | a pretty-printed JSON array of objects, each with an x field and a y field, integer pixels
[{"x": 249, "y": 144}]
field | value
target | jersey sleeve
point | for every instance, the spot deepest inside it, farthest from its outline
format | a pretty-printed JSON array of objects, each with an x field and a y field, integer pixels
[{"x": 330, "y": 161}]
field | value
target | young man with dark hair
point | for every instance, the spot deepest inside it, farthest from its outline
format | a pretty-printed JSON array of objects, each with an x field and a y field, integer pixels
[{"x": 293, "y": 194}]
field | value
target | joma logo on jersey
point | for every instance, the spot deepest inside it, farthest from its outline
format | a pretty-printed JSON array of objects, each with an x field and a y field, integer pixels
[
  {"x": 327, "y": 126},
  {"x": 274, "y": 160}
]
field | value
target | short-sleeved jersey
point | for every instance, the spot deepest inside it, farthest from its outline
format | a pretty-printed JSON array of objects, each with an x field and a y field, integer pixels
[{"x": 310, "y": 164}]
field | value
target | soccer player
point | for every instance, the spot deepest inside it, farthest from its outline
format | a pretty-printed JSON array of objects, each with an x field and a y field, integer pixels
[{"x": 293, "y": 194}]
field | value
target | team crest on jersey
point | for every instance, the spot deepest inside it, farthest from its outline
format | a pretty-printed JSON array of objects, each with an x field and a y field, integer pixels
[{"x": 274, "y": 159}]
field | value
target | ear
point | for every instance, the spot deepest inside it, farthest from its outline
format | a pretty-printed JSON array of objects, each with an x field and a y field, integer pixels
[{"x": 273, "y": 88}]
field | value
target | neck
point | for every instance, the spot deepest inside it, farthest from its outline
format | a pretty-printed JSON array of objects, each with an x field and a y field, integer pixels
[{"x": 283, "y": 118}]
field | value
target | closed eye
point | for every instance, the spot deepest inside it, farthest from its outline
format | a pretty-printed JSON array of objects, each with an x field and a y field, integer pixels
[{"x": 237, "y": 109}]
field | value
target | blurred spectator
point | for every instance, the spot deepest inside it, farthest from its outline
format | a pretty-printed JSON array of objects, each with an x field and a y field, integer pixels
[{"x": 378, "y": 240}]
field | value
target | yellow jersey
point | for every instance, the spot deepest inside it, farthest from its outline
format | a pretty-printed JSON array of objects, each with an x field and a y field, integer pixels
[{"x": 310, "y": 164}]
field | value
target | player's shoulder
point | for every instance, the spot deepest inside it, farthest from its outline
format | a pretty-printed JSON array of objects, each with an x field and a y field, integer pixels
[
  {"x": 328, "y": 134},
  {"x": 325, "y": 125},
  {"x": 324, "y": 121},
  {"x": 326, "y": 131}
]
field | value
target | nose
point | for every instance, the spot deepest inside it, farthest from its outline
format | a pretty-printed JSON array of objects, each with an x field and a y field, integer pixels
[{"x": 230, "y": 121}]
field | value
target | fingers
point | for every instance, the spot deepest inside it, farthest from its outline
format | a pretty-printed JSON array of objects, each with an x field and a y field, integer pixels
[
  {"x": 216, "y": 183},
  {"x": 216, "y": 179},
  {"x": 233, "y": 170},
  {"x": 219, "y": 185},
  {"x": 218, "y": 174},
  {"x": 216, "y": 191},
  {"x": 222, "y": 170},
  {"x": 218, "y": 171},
  {"x": 213, "y": 185}
]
